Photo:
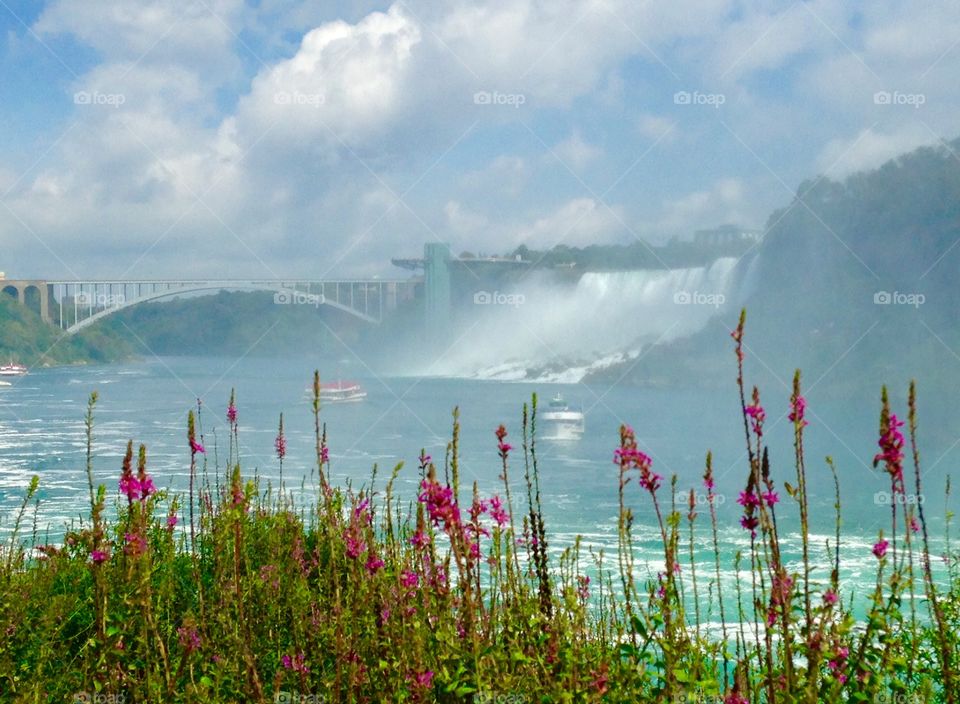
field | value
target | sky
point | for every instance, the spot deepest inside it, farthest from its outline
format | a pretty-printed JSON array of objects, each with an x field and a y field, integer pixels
[{"x": 272, "y": 139}]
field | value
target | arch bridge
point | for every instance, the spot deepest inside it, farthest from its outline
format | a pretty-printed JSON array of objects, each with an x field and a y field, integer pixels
[{"x": 73, "y": 305}]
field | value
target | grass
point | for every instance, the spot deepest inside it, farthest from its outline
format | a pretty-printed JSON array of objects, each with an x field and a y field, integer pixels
[{"x": 235, "y": 593}]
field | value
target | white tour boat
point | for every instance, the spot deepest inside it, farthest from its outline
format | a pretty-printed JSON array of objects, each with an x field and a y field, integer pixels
[
  {"x": 341, "y": 392},
  {"x": 560, "y": 422},
  {"x": 12, "y": 369}
]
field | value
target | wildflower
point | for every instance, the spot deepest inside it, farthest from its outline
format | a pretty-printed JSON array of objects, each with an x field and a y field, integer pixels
[
  {"x": 735, "y": 698},
  {"x": 756, "y": 413},
  {"x": 373, "y": 564},
  {"x": 629, "y": 456},
  {"x": 280, "y": 443},
  {"x": 420, "y": 539},
  {"x": 503, "y": 447},
  {"x": 324, "y": 455},
  {"x": 891, "y": 450},
  {"x": 172, "y": 520},
  {"x": 499, "y": 516},
  {"x": 798, "y": 409},
  {"x": 583, "y": 587},
  {"x": 423, "y": 680},
  {"x": 750, "y": 523},
  {"x": 98, "y": 557},
  {"x": 296, "y": 663},
  {"x": 914, "y": 524},
  {"x": 136, "y": 544},
  {"x": 130, "y": 486},
  {"x": 830, "y": 597},
  {"x": 355, "y": 547},
  {"x": 748, "y": 499},
  {"x": 409, "y": 579},
  {"x": 880, "y": 548},
  {"x": 425, "y": 459},
  {"x": 232, "y": 411},
  {"x": 196, "y": 447},
  {"x": 771, "y": 498},
  {"x": 189, "y": 638},
  {"x": 439, "y": 503}
]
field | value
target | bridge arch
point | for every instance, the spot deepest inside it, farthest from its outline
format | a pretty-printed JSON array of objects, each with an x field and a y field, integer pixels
[{"x": 99, "y": 303}]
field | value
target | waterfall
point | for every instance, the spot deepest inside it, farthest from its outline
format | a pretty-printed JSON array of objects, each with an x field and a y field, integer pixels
[{"x": 545, "y": 330}]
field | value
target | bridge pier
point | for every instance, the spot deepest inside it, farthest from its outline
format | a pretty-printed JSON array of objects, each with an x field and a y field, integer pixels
[
  {"x": 26, "y": 291},
  {"x": 436, "y": 284}
]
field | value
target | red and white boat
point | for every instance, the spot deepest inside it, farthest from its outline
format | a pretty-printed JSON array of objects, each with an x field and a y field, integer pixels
[
  {"x": 341, "y": 392},
  {"x": 12, "y": 369}
]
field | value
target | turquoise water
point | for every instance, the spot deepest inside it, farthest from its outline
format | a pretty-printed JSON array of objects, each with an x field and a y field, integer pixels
[{"x": 42, "y": 432}]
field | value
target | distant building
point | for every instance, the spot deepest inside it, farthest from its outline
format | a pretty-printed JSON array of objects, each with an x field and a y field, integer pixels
[{"x": 726, "y": 235}]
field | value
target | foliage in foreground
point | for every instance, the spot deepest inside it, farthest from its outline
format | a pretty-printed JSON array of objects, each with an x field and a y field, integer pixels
[{"x": 233, "y": 594}]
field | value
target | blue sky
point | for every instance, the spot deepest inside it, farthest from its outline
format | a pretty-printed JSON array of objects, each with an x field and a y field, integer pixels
[{"x": 217, "y": 137}]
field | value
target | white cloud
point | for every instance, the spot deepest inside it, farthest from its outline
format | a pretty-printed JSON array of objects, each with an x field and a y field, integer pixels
[
  {"x": 577, "y": 222},
  {"x": 575, "y": 153},
  {"x": 869, "y": 149}
]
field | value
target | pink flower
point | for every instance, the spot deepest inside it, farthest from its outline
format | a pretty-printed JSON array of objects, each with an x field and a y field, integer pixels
[
  {"x": 424, "y": 459},
  {"x": 196, "y": 447},
  {"x": 297, "y": 663},
  {"x": 98, "y": 557},
  {"x": 171, "y": 520},
  {"x": 189, "y": 638},
  {"x": 232, "y": 414},
  {"x": 914, "y": 524},
  {"x": 583, "y": 587},
  {"x": 373, "y": 564},
  {"x": 420, "y": 539},
  {"x": 409, "y": 579},
  {"x": 280, "y": 445},
  {"x": 324, "y": 455},
  {"x": 136, "y": 544},
  {"x": 355, "y": 547},
  {"x": 891, "y": 451},
  {"x": 830, "y": 597},
  {"x": 771, "y": 498},
  {"x": 757, "y": 415},
  {"x": 502, "y": 446},
  {"x": 440, "y": 504},
  {"x": 750, "y": 523},
  {"x": 130, "y": 486},
  {"x": 748, "y": 499},
  {"x": 880, "y": 548},
  {"x": 629, "y": 456},
  {"x": 799, "y": 408},
  {"x": 500, "y": 517},
  {"x": 423, "y": 680}
]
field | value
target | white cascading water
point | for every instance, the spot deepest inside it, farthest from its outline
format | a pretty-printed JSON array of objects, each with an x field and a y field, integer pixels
[{"x": 547, "y": 331}]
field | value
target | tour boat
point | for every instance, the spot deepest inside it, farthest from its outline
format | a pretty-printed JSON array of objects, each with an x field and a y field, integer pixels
[
  {"x": 12, "y": 369},
  {"x": 341, "y": 392},
  {"x": 561, "y": 422}
]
